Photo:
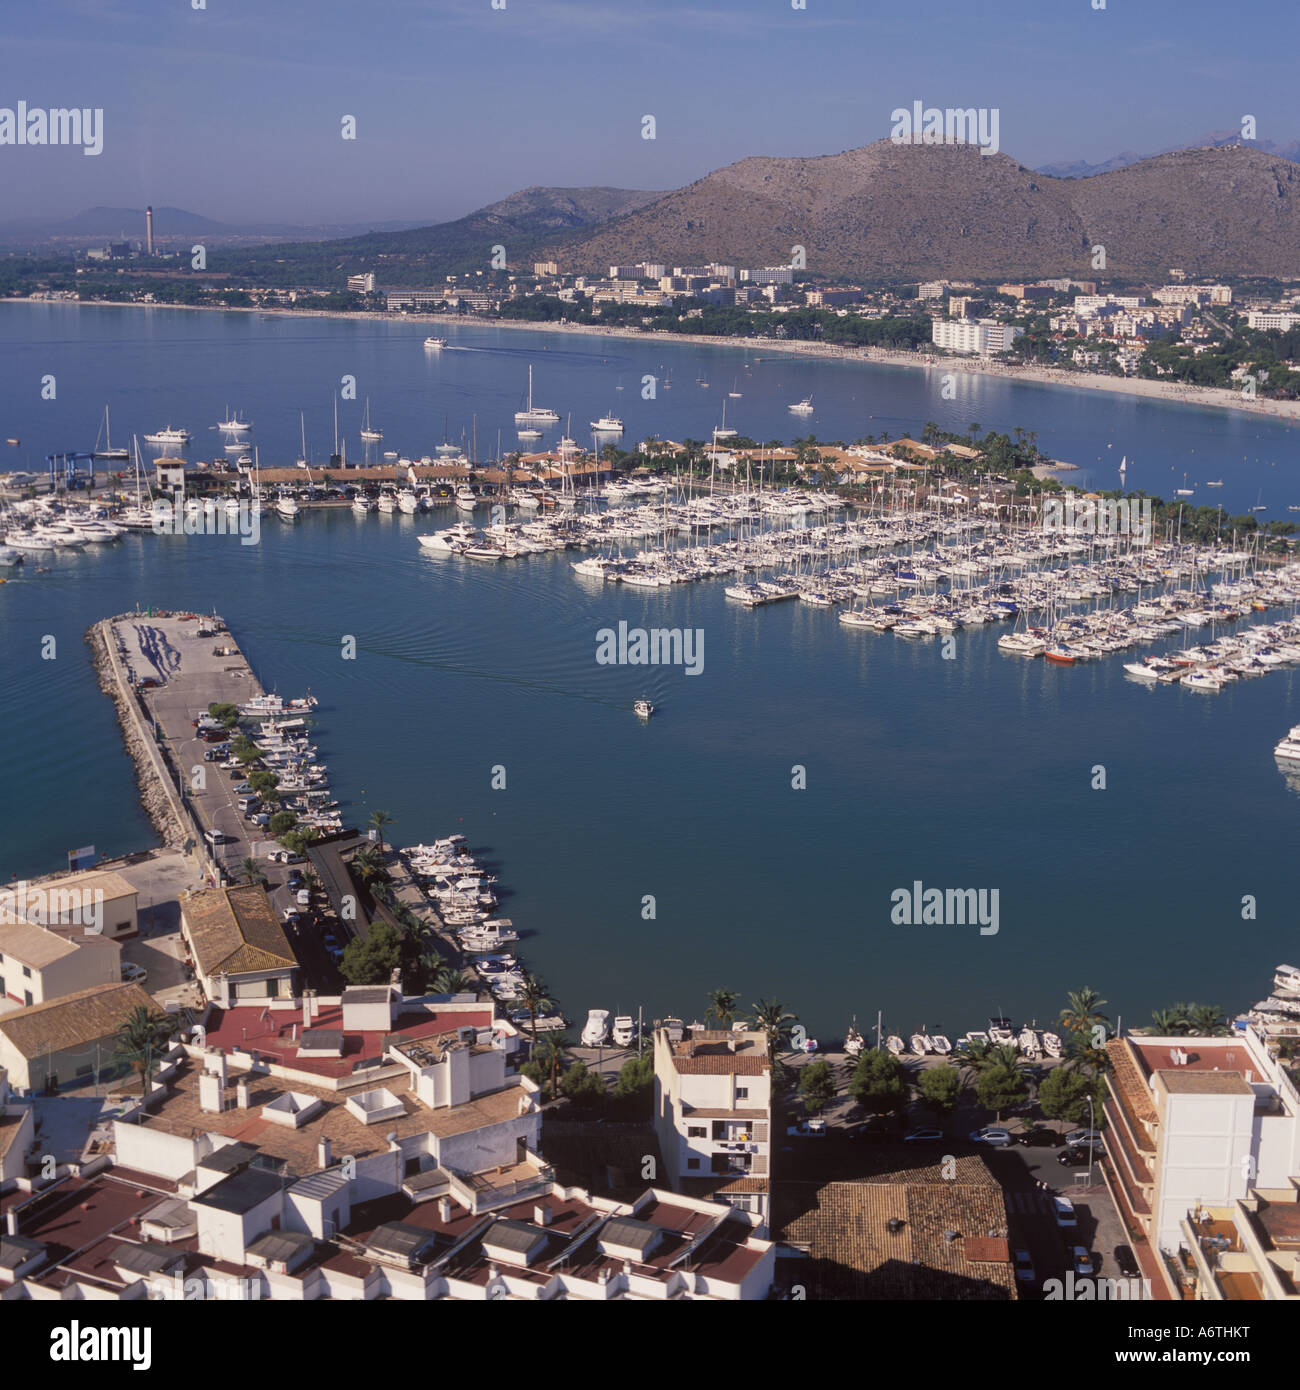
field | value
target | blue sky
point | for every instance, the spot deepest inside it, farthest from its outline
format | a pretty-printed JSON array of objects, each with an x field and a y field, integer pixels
[{"x": 234, "y": 111}]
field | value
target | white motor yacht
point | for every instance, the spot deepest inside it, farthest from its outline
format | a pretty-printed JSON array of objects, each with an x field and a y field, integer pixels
[
  {"x": 624, "y": 1034},
  {"x": 168, "y": 436},
  {"x": 286, "y": 508},
  {"x": 596, "y": 1029}
]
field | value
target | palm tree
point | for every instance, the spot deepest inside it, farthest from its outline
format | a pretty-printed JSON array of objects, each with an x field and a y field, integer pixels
[
  {"x": 379, "y": 819},
  {"x": 448, "y": 981},
  {"x": 532, "y": 995},
  {"x": 1082, "y": 1011},
  {"x": 252, "y": 871},
  {"x": 548, "y": 1053},
  {"x": 143, "y": 1033},
  {"x": 723, "y": 1005},
  {"x": 1207, "y": 1021},
  {"x": 772, "y": 1019},
  {"x": 1169, "y": 1023}
]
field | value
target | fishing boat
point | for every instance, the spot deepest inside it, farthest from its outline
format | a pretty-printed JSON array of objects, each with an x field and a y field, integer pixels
[
  {"x": 608, "y": 424},
  {"x": 596, "y": 1029},
  {"x": 533, "y": 412},
  {"x": 368, "y": 431},
  {"x": 644, "y": 708}
]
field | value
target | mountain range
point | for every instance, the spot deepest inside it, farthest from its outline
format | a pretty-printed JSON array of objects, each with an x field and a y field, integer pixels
[
  {"x": 891, "y": 211},
  {"x": 1217, "y": 139}
]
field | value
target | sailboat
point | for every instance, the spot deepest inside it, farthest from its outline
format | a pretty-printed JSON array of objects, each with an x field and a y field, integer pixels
[
  {"x": 232, "y": 424},
  {"x": 108, "y": 452},
  {"x": 367, "y": 430},
  {"x": 139, "y": 517},
  {"x": 724, "y": 430},
  {"x": 534, "y": 412},
  {"x": 302, "y": 422},
  {"x": 734, "y": 393},
  {"x": 1123, "y": 465}
]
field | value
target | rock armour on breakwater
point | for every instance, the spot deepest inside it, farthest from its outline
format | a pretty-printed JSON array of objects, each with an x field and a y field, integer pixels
[{"x": 152, "y": 797}]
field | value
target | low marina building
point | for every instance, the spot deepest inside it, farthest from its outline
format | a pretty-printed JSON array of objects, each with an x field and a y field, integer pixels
[
  {"x": 237, "y": 944},
  {"x": 67, "y": 1041},
  {"x": 93, "y": 900},
  {"x": 37, "y": 965}
]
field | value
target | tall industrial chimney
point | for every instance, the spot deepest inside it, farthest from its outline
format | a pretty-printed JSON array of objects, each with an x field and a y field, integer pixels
[{"x": 148, "y": 231}]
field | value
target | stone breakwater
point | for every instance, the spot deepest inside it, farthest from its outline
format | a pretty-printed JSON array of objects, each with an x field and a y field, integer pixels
[{"x": 155, "y": 796}]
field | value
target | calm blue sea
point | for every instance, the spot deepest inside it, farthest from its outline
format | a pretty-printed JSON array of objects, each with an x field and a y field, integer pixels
[{"x": 975, "y": 772}]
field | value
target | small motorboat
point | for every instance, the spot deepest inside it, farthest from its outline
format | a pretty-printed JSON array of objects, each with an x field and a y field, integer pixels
[
  {"x": 1052, "y": 1045},
  {"x": 853, "y": 1043},
  {"x": 918, "y": 1043},
  {"x": 644, "y": 708},
  {"x": 895, "y": 1044},
  {"x": 977, "y": 1038},
  {"x": 596, "y": 1029},
  {"x": 624, "y": 1030},
  {"x": 811, "y": 1045},
  {"x": 940, "y": 1045}
]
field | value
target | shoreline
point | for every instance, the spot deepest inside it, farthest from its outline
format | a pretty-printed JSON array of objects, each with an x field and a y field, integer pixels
[{"x": 1170, "y": 393}]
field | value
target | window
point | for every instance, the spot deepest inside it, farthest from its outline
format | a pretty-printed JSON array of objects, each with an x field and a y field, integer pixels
[
  {"x": 121, "y": 927},
  {"x": 696, "y": 1131},
  {"x": 742, "y": 1092},
  {"x": 692, "y": 1162},
  {"x": 27, "y": 972}
]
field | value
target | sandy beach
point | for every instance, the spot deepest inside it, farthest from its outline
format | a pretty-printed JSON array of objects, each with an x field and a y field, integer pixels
[{"x": 1171, "y": 393}]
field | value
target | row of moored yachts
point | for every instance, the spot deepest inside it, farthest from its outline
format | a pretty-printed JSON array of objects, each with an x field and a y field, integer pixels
[{"x": 1029, "y": 1042}]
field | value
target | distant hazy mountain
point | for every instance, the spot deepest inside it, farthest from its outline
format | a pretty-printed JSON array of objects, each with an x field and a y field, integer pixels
[
  {"x": 112, "y": 224},
  {"x": 899, "y": 211},
  {"x": 1214, "y": 139}
]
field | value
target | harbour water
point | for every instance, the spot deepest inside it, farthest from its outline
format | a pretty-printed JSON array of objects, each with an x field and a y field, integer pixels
[{"x": 974, "y": 772}]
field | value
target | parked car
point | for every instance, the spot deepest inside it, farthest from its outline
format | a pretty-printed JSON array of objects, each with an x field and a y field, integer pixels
[
  {"x": 1083, "y": 1264},
  {"x": 260, "y": 818},
  {"x": 1024, "y": 1267},
  {"x": 213, "y": 755},
  {"x": 1074, "y": 1158},
  {"x": 807, "y": 1129},
  {"x": 878, "y": 1129},
  {"x": 284, "y": 856},
  {"x": 1126, "y": 1263},
  {"x": 1083, "y": 1136},
  {"x": 993, "y": 1135},
  {"x": 244, "y": 789},
  {"x": 1039, "y": 1138},
  {"x": 1066, "y": 1217},
  {"x": 923, "y": 1135},
  {"x": 215, "y": 837},
  {"x": 134, "y": 974},
  {"x": 291, "y": 916},
  {"x": 303, "y": 898}
]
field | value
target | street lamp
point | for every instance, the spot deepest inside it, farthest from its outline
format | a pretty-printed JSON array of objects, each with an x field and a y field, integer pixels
[{"x": 1091, "y": 1129}]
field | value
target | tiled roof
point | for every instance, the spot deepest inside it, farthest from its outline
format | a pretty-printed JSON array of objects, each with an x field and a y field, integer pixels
[
  {"x": 33, "y": 945},
  {"x": 951, "y": 1243},
  {"x": 234, "y": 931},
  {"x": 74, "y": 1020},
  {"x": 1127, "y": 1078},
  {"x": 1205, "y": 1083}
]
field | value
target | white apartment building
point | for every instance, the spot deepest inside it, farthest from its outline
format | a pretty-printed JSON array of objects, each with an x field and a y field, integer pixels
[
  {"x": 982, "y": 336},
  {"x": 1089, "y": 303},
  {"x": 713, "y": 1117},
  {"x": 1196, "y": 1121},
  {"x": 362, "y": 284},
  {"x": 1271, "y": 321},
  {"x": 770, "y": 275}
]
